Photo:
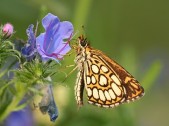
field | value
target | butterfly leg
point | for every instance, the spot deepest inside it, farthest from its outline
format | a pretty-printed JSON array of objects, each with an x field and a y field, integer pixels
[{"x": 67, "y": 75}]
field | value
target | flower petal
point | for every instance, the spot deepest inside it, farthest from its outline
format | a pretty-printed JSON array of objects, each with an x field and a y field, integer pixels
[
  {"x": 51, "y": 44},
  {"x": 39, "y": 43},
  {"x": 48, "y": 18},
  {"x": 22, "y": 117},
  {"x": 29, "y": 50},
  {"x": 31, "y": 35},
  {"x": 66, "y": 29},
  {"x": 64, "y": 32}
]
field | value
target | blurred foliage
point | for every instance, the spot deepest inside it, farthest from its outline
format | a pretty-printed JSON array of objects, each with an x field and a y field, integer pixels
[
  {"x": 17, "y": 89},
  {"x": 134, "y": 33},
  {"x": 25, "y": 77}
]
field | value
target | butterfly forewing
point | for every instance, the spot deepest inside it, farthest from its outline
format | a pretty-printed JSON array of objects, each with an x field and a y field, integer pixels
[{"x": 107, "y": 83}]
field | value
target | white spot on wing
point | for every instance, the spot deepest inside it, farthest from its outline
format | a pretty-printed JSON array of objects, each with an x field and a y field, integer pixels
[
  {"x": 104, "y": 69},
  {"x": 112, "y": 105},
  {"x": 127, "y": 101},
  {"x": 90, "y": 102},
  {"x": 103, "y": 80},
  {"x": 133, "y": 99},
  {"x": 112, "y": 95},
  {"x": 137, "y": 97},
  {"x": 116, "y": 80},
  {"x": 99, "y": 105},
  {"x": 116, "y": 104},
  {"x": 95, "y": 68},
  {"x": 88, "y": 80},
  {"x": 107, "y": 95},
  {"x": 95, "y": 93},
  {"x": 102, "y": 97},
  {"x": 122, "y": 100},
  {"x": 116, "y": 89},
  {"x": 124, "y": 90},
  {"x": 106, "y": 106},
  {"x": 93, "y": 79},
  {"x": 89, "y": 92}
]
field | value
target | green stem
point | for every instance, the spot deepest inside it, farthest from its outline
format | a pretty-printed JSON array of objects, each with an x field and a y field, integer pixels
[
  {"x": 12, "y": 106},
  {"x": 151, "y": 75}
]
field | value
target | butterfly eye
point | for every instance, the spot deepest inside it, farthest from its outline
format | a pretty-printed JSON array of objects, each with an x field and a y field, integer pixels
[{"x": 83, "y": 43}]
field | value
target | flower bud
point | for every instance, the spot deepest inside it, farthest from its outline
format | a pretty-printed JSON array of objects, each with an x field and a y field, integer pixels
[{"x": 7, "y": 30}]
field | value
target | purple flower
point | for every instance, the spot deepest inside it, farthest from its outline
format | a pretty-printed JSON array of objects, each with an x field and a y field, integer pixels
[
  {"x": 30, "y": 48},
  {"x": 22, "y": 117},
  {"x": 7, "y": 30},
  {"x": 51, "y": 45}
]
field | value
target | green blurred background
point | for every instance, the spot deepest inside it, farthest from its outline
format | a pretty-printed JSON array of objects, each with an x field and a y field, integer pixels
[{"x": 134, "y": 33}]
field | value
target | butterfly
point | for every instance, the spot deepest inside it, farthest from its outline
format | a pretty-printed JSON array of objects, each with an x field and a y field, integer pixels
[{"x": 107, "y": 84}]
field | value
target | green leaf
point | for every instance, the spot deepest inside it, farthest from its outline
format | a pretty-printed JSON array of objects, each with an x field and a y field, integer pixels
[{"x": 152, "y": 74}]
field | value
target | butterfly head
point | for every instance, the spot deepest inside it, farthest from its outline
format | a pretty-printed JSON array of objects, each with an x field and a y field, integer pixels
[
  {"x": 82, "y": 44},
  {"x": 82, "y": 41}
]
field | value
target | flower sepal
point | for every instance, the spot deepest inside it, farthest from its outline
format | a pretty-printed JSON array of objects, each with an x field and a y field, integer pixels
[{"x": 47, "y": 104}]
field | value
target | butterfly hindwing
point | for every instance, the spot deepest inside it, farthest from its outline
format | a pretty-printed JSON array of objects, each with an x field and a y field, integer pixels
[{"x": 101, "y": 89}]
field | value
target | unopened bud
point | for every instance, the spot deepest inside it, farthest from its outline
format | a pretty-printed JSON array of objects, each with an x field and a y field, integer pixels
[{"x": 7, "y": 30}]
